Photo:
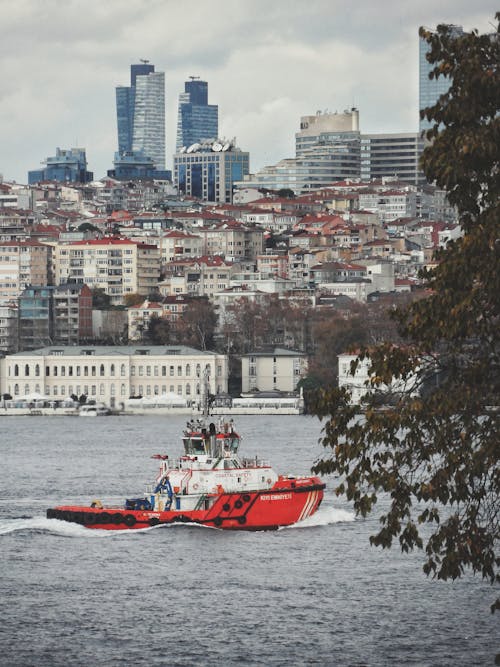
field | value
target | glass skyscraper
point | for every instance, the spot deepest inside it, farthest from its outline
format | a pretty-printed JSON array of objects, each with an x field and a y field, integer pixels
[
  {"x": 140, "y": 114},
  {"x": 196, "y": 120},
  {"x": 430, "y": 90}
]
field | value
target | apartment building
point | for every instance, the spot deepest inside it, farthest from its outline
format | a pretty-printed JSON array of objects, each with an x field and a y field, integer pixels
[
  {"x": 22, "y": 263},
  {"x": 117, "y": 266}
]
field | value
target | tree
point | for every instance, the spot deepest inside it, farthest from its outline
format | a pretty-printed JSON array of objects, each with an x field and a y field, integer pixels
[
  {"x": 436, "y": 455},
  {"x": 100, "y": 300},
  {"x": 159, "y": 330},
  {"x": 197, "y": 325}
]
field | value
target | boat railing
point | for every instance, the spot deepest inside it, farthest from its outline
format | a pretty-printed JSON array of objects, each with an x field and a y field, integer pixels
[{"x": 255, "y": 462}]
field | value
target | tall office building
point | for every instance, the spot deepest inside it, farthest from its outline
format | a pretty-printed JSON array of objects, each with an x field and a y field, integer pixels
[
  {"x": 392, "y": 154},
  {"x": 431, "y": 89},
  {"x": 196, "y": 119},
  {"x": 140, "y": 115}
]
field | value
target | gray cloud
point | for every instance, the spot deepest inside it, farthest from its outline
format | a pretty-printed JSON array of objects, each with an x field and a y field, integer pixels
[{"x": 267, "y": 63}]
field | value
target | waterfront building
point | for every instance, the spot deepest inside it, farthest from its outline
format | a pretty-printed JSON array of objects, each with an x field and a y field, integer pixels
[
  {"x": 117, "y": 266},
  {"x": 278, "y": 369},
  {"x": 67, "y": 166},
  {"x": 113, "y": 374},
  {"x": 140, "y": 114},
  {"x": 196, "y": 119},
  {"x": 209, "y": 170}
]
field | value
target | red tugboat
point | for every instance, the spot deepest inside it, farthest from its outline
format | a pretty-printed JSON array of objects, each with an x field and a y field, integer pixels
[{"x": 209, "y": 485}]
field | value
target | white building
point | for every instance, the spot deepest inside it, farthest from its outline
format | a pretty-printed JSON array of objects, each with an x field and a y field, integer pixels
[
  {"x": 359, "y": 383},
  {"x": 112, "y": 374},
  {"x": 276, "y": 370}
]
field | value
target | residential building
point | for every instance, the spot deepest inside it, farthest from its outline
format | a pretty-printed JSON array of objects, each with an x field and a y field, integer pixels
[
  {"x": 54, "y": 314},
  {"x": 170, "y": 308},
  {"x": 210, "y": 170},
  {"x": 278, "y": 369},
  {"x": 113, "y": 374},
  {"x": 8, "y": 328},
  {"x": 22, "y": 263},
  {"x": 140, "y": 114},
  {"x": 67, "y": 166},
  {"x": 196, "y": 119},
  {"x": 117, "y": 266},
  {"x": 176, "y": 245}
]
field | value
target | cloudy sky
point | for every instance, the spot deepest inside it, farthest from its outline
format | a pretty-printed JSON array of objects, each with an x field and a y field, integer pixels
[{"x": 267, "y": 63}]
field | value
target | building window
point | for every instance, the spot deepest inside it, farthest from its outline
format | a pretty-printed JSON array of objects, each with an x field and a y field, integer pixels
[
  {"x": 188, "y": 370},
  {"x": 16, "y": 370},
  {"x": 148, "y": 370},
  {"x": 63, "y": 370},
  {"x": 26, "y": 371},
  {"x": 122, "y": 369},
  {"x": 37, "y": 370},
  {"x": 122, "y": 389},
  {"x": 93, "y": 390},
  {"x": 171, "y": 371},
  {"x": 112, "y": 370},
  {"x": 179, "y": 370},
  {"x": 163, "y": 371},
  {"x": 86, "y": 370},
  {"x": 101, "y": 370},
  {"x": 93, "y": 371},
  {"x": 101, "y": 389}
]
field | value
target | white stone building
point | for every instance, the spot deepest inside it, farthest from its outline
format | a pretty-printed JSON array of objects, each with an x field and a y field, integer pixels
[
  {"x": 275, "y": 370},
  {"x": 112, "y": 374}
]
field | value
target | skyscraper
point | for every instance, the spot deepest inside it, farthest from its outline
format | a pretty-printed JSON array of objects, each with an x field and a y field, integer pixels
[
  {"x": 431, "y": 89},
  {"x": 140, "y": 114},
  {"x": 196, "y": 119}
]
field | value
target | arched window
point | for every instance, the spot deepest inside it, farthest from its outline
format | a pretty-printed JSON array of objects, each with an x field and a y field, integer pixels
[
  {"x": 197, "y": 389},
  {"x": 16, "y": 390},
  {"x": 101, "y": 370},
  {"x": 122, "y": 389},
  {"x": 16, "y": 370},
  {"x": 26, "y": 370},
  {"x": 101, "y": 389},
  {"x": 112, "y": 390},
  {"x": 188, "y": 389},
  {"x": 188, "y": 370},
  {"x": 26, "y": 389},
  {"x": 37, "y": 370},
  {"x": 198, "y": 370},
  {"x": 112, "y": 369},
  {"x": 122, "y": 369}
]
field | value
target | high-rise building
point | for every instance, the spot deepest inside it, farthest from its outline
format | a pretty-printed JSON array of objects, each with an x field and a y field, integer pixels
[
  {"x": 66, "y": 166},
  {"x": 140, "y": 114},
  {"x": 430, "y": 90},
  {"x": 392, "y": 154},
  {"x": 196, "y": 119},
  {"x": 209, "y": 170}
]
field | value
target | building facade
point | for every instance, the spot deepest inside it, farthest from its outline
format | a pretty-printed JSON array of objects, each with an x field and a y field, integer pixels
[
  {"x": 392, "y": 155},
  {"x": 113, "y": 374},
  {"x": 22, "y": 263},
  {"x": 196, "y": 119},
  {"x": 67, "y": 166},
  {"x": 430, "y": 90},
  {"x": 49, "y": 314},
  {"x": 117, "y": 266},
  {"x": 277, "y": 370},
  {"x": 209, "y": 170},
  {"x": 140, "y": 114}
]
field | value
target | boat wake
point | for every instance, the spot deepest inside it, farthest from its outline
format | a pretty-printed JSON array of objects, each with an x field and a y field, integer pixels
[{"x": 325, "y": 516}]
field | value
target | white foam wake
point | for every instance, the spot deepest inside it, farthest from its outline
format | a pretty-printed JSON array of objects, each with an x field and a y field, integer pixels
[{"x": 325, "y": 516}]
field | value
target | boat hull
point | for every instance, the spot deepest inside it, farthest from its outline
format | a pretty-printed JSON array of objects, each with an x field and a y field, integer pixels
[{"x": 282, "y": 505}]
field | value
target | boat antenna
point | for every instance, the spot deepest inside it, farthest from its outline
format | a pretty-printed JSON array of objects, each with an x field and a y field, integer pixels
[{"x": 206, "y": 391}]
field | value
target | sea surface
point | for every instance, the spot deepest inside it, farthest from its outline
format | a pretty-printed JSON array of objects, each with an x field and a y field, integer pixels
[{"x": 189, "y": 596}]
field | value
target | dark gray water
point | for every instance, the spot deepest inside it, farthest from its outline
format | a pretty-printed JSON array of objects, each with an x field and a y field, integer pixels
[{"x": 186, "y": 596}]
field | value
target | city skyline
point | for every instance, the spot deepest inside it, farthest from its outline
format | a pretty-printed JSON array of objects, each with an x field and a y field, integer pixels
[{"x": 266, "y": 66}]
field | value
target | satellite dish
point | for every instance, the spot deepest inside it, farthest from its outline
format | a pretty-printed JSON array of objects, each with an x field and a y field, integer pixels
[
  {"x": 217, "y": 147},
  {"x": 182, "y": 150},
  {"x": 226, "y": 146},
  {"x": 193, "y": 148}
]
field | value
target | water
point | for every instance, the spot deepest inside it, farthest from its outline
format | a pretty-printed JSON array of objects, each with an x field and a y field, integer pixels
[{"x": 188, "y": 596}]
